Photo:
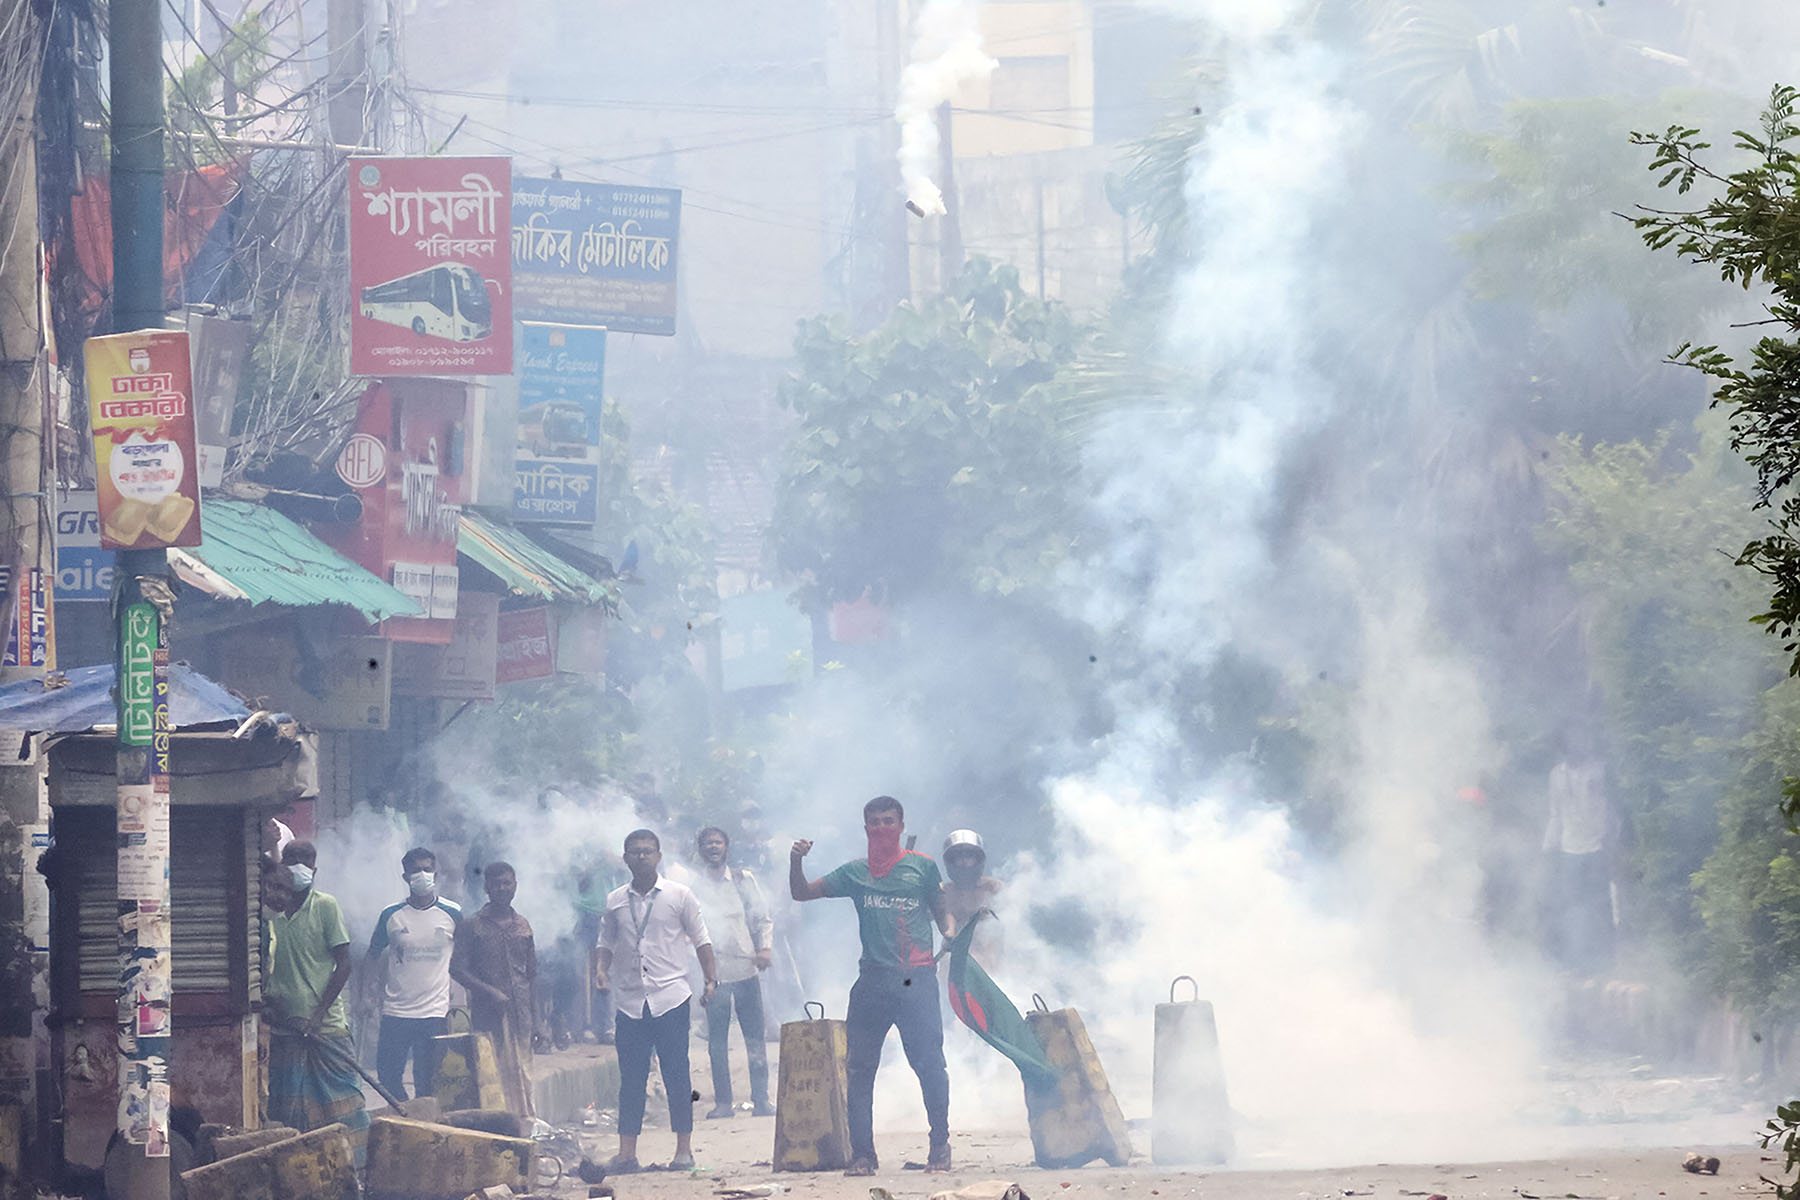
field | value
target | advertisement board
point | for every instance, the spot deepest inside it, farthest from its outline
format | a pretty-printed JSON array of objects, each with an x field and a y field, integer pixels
[
  {"x": 430, "y": 273},
  {"x": 84, "y": 572},
  {"x": 406, "y": 458},
  {"x": 32, "y": 623},
  {"x": 596, "y": 253},
  {"x": 141, "y": 413},
  {"x": 221, "y": 350},
  {"x": 525, "y": 648},
  {"x": 464, "y": 668},
  {"x": 560, "y": 369}
]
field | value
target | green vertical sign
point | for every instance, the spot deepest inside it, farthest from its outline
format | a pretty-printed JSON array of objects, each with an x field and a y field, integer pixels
[{"x": 137, "y": 675}]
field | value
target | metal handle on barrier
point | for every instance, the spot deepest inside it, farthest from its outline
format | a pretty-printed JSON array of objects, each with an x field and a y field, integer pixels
[
  {"x": 1038, "y": 1001},
  {"x": 809, "y": 1006},
  {"x": 1191, "y": 980}
]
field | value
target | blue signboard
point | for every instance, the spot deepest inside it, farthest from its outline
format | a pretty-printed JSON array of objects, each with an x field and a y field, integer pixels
[
  {"x": 83, "y": 570},
  {"x": 595, "y": 253},
  {"x": 556, "y": 464},
  {"x": 560, "y": 491},
  {"x": 560, "y": 369}
]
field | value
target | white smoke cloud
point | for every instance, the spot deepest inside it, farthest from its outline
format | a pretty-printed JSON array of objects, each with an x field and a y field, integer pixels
[{"x": 946, "y": 54}]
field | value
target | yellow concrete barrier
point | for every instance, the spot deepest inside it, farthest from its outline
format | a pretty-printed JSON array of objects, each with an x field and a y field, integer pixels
[
  {"x": 1077, "y": 1120},
  {"x": 414, "y": 1160},
  {"x": 812, "y": 1109}
]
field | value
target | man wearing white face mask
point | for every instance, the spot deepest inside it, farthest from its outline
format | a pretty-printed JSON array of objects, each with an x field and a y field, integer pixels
[
  {"x": 312, "y": 1074},
  {"x": 411, "y": 948}
]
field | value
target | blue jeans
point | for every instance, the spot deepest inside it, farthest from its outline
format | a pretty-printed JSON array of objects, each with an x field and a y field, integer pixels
[
  {"x": 882, "y": 998},
  {"x": 634, "y": 1038},
  {"x": 408, "y": 1037},
  {"x": 745, "y": 996}
]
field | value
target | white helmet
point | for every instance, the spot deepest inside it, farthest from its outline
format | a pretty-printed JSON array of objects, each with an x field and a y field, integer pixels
[{"x": 965, "y": 837}]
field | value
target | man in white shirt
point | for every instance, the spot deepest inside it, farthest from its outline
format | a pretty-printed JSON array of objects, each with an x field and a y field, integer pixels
[
  {"x": 737, "y": 917},
  {"x": 642, "y": 958},
  {"x": 1578, "y": 837},
  {"x": 411, "y": 948}
]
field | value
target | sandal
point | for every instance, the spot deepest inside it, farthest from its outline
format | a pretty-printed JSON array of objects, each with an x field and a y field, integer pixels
[
  {"x": 861, "y": 1167},
  {"x": 682, "y": 1162},
  {"x": 938, "y": 1161},
  {"x": 622, "y": 1166}
]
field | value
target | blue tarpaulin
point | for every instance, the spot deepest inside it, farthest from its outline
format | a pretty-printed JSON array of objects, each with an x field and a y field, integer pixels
[{"x": 86, "y": 701}]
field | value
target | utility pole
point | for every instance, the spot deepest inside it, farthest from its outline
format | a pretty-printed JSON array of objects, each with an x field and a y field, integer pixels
[
  {"x": 1039, "y": 181},
  {"x": 950, "y": 249},
  {"x": 347, "y": 67},
  {"x": 142, "y": 606},
  {"x": 22, "y": 442}
]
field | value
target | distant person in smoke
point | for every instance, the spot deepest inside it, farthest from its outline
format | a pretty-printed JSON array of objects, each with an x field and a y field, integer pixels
[
  {"x": 737, "y": 917},
  {"x": 643, "y": 953},
  {"x": 312, "y": 1074},
  {"x": 410, "y": 956},
  {"x": 898, "y": 895},
  {"x": 495, "y": 958},
  {"x": 1578, "y": 837}
]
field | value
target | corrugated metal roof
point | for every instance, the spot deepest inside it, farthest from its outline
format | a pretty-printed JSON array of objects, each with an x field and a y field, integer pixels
[
  {"x": 255, "y": 554},
  {"x": 526, "y": 568},
  {"x": 82, "y": 700}
]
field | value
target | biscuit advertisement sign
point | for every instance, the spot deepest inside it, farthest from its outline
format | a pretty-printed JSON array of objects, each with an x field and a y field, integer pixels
[{"x": 141, "y": 412}]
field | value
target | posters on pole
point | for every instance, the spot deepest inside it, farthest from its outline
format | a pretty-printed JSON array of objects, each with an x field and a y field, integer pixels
[
  {"x": 430, "y": 273},
  {"x": 557, "y": 462},
  {"x": 596, "y": 253},
  {"x": 141, "y": 412}
]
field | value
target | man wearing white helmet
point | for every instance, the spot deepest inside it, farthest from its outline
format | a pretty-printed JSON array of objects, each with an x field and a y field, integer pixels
[{"x": 967, "y": 891}]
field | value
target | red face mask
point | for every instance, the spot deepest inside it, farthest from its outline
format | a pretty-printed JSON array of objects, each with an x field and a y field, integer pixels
[{"x": 884, "y": 849}]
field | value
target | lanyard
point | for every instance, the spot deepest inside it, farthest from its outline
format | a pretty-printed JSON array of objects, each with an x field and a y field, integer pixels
[{"x": 641, "y": 923}]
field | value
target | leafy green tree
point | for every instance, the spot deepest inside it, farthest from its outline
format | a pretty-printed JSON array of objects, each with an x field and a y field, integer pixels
[
  {"x": 1749, "y": 230},
  {"x": 1664, "y": 618},
  {"x": 929, "y": 452}
]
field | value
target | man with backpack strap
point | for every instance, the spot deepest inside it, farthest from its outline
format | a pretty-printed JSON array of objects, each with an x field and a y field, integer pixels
[{"x": 737, "y": 916}]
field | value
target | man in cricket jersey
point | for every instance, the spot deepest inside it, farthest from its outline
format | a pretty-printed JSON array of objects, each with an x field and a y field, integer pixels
[{"x": 899, "y": 897}]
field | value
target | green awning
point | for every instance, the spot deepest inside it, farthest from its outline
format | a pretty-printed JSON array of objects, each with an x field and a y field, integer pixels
[
  {"x": 255, "y": 554},
  {"x": 526, "y": 568}
]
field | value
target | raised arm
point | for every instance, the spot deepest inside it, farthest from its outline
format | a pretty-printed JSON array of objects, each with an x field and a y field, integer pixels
[{"x": 799, "y": 886}]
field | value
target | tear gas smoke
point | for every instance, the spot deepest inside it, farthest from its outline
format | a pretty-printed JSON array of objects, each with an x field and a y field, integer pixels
[{"x": 946, "y": 54}]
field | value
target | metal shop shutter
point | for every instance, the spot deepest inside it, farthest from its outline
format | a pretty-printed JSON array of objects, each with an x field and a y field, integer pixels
[{"x": 207, "y": 849}]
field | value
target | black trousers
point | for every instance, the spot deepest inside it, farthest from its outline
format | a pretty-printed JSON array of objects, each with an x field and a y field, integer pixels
[
  {"x": 634, "y": 1039},
  {"x": 408, "y": 1037},
  {"x": 746, "y": 997},
  {"x": 883, "y": 998}
]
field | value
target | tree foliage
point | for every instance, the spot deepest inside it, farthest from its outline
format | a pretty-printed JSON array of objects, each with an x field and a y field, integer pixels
[
  {"x": 1749, "y": 230},
  {"x": 929, "y": 452}
]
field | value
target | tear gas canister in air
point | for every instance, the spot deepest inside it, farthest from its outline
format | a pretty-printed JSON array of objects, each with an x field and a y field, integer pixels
[
  {"x": 812, "y": 1105},
  {"x": 1190, "y": 1117}
]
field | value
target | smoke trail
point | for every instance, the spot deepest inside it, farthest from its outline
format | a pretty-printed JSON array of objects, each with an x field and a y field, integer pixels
[
  {"x": 1347, "y": 990},
  {"x": 946, "y": 54}
]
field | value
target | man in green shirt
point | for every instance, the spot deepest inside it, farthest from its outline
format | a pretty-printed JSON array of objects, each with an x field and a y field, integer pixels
[
  {"x": 312, "y": 1076},
  {"x": 898, "y": 897}
]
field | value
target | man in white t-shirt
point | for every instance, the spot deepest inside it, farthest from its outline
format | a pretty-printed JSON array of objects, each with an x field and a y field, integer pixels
[{"x": 412, "y": 943}]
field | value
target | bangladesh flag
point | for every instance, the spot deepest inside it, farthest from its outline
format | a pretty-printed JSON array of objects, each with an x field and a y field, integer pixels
[{"x": 979, "y": 1003}]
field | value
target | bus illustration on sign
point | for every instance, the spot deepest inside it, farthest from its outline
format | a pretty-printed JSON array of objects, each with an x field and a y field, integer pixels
[{"x": 448, "y": 301}]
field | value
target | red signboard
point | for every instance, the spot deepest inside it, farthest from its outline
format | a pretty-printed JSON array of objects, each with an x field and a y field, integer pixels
[
  {"x": 431, "y": 266},
  {"x": 405, "y": 460},
  {"x": 141, "y": 412},
  {"x": 525, "y": 649}
]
